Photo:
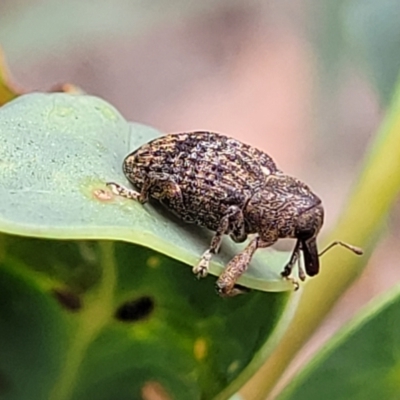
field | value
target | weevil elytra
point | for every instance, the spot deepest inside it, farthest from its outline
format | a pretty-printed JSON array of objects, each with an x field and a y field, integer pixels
[{"x": 232, "y": 189}]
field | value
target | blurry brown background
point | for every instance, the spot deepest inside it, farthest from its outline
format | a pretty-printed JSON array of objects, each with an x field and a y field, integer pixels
[{"x": 280, "y": 75}]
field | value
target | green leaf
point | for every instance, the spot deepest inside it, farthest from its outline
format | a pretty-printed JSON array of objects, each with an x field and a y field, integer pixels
[
  {"x": 57, "y": 153},
  {"x": 97, "y": 296},
  {"x": 361, "y": 362}
]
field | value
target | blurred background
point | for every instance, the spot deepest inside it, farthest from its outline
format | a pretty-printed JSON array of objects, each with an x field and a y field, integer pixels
[{"x": 307, "y": 81}]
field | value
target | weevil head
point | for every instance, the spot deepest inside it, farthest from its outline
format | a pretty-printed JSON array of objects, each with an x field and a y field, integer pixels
[
  {"x": 308, "y": 218},
  {"x": 287, "y": 208}
]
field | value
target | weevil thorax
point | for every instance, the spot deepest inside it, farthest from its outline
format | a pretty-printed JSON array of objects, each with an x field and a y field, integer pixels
[{"x": 286, "y": 208}]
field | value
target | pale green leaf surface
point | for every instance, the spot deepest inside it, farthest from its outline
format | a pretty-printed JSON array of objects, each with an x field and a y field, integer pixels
[{"x": 58, "y": 149}]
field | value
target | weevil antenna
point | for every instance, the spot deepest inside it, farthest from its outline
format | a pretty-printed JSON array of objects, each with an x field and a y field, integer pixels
[{"x": 350, "y": 247}]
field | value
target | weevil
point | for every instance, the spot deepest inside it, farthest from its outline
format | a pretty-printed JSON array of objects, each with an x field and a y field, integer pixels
[{"x": 231, "y": 188}]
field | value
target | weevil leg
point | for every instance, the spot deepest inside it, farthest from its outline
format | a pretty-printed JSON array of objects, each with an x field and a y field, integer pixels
[
  {"x": 238, "y": 230},
  {"x": 164, "y": 188},
  {"x": 238, "y": 265},
  {"x": 300, "y": 267},
  {"x": 123, "y": 191},
  {"x": 294, "y": 259},
  {"x": 160, "y": 185},
  {"x": 232, "y": 216}
]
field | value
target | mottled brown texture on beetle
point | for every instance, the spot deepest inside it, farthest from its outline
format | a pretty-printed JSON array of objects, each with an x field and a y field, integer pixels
[
  {"x": 231, "y": 188},
  {"x": 211, "y": 170}
]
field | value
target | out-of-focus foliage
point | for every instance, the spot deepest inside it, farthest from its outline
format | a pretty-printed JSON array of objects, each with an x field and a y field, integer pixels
[
  {"x": 360, "y": 362},
  {"x": 106, "y": 320},
  {"x": 85, "y": 19},
  {"x": 373, "y": 30}
]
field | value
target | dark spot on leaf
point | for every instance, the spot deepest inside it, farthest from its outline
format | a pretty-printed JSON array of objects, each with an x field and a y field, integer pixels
[
  {"x": 5, "y": 383},
  {"x": 135, "y": 310},
  {"x": 69, "y": 300}
]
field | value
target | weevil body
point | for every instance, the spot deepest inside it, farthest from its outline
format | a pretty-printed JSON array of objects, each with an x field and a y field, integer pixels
[{"x": 231, "y": 188}]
